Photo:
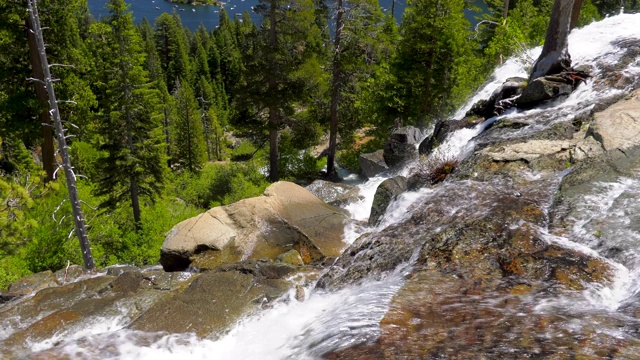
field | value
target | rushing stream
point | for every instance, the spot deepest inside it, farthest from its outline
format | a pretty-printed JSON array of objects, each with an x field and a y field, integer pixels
[{"x": 604, "y": 224}]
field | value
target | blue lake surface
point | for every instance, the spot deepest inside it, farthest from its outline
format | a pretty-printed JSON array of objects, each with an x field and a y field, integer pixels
[{"x": 194, "y": 15}]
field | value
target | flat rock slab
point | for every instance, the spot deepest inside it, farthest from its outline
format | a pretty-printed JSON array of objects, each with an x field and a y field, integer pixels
[{"x": 618, "y": 127}]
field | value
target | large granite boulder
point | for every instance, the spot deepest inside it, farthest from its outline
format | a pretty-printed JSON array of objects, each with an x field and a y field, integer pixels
[
  {"x": 286, "y": 217},
  {"x": 373, "y": 163},
  {"x": 334, "y": 194},
  {"x": 401, "y": 146},
  {"x": 386, "y": 192}
]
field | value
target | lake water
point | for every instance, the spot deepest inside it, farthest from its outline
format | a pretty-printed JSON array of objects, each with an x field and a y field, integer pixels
[{"x": 194, "y": 15}]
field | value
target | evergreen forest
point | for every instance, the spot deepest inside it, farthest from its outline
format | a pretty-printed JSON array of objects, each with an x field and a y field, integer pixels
[{"x": 162, "y": 123}]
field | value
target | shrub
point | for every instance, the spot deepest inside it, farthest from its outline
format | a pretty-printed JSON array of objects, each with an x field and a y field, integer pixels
[
  {"x": 243, "y": 152},
  {"x": 220, "y": 184}
]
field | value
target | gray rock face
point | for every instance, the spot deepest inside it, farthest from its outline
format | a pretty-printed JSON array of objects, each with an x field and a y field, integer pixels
[
  {"x": 542, "y": 89},
  {"x": 373, "y": 163},
  {"x": 286, "y": 217},
  {"x": 334, "y": 194},
  {"x": 401, "y": 146},
  {"x": 387, "y": 191}
]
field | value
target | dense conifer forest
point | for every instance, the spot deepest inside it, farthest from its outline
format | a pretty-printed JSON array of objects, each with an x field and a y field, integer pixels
[{"x": 163, "y": 123}]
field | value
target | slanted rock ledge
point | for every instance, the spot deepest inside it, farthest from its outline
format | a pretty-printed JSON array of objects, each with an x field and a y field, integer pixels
[{"x": 285, "y": 217}]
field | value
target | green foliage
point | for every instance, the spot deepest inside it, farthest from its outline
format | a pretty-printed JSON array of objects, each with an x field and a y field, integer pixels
[
  {"x": 15, "y": 199},
  {"x": 187, "y": 132},
  {"x": 172, "y": 47},
  {"x": 115, "y": 240},
  {"x": 243, "y": 152},
  {"x": 432, "y": 63},
  {"x": 525, "y": 27},
  {"x": 85, "y": 159},
  {"x": 12, "y": 268},
  {"x": 589, "y": 13},
  {"x": 219, "y": 184},
  {"x": 296, "y": 163}
]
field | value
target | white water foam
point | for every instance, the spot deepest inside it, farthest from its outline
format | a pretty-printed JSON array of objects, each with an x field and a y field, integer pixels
[{"x": 289, "y": 330}]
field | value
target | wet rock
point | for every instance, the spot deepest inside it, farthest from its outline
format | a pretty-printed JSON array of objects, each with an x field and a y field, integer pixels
[
  {"x": 286, "y": 217},
  {"x": 300, "y": 294},
  {"x": 117, "y": 270},
  {"x": 101, "y": 298},
  {"x": 291, "y": 257},
  {"x": 34, "y": 282},
  {"x": 401, "y": 146},
  {"x": 618, "y": 127},
  {"x": 166, "y": 281},
  {"x": 500, "y": 100},
  {"x": 334, "y": 194},
  {"x": 441, "y": 315},
  {"x": 217, "y": 299},
  {"x": 71, "y": 273},
  {"x": 542, "y": 89},
  {"x": 373, "y": 163},
  {"x": 374, "y": 254},
  {"x": 387, "y": 191},
  {"x": 443, "y": 128},
  {"x": 6, "y": 296}
]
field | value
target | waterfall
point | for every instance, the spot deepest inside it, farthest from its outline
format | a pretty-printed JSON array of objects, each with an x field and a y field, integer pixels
[{"x": 604, "y": 224}]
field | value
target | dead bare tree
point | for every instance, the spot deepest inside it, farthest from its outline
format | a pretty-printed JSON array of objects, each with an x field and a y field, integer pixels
[{"x": 54, "y": 112}]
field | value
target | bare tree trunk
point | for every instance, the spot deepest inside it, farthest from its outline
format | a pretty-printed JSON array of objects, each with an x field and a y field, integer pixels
[
  {"x": 575, "y": 13},
  {"x": 336, "y": 82},
  {"x": 555, "y": 54},
  {"x": 505, "y": 9},
  {"x": 274, "y": 116},
  {"x": 81, "y": 230},
  {"x": 273, "y": 145},
  {"x": 46, "y": 127}
]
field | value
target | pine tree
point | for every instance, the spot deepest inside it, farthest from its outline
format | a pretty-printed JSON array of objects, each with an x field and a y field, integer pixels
[
  {"x": 359, "y": 44},
  {"x": 131, "y": 137},
  {"x": 277, "y": 75},
  {"x": 230, "y": 57},
  {"x": 431, "y": 57},
  {"x": 172, "y": 47},
  {"x": 188, "y": 132}
]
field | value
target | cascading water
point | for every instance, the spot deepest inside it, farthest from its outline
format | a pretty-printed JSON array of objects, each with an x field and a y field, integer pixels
[{"x": 602, "y": 224}]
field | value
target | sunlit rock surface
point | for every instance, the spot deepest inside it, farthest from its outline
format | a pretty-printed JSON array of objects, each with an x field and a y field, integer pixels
[{"x": 286, "y": 217}]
